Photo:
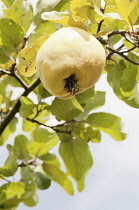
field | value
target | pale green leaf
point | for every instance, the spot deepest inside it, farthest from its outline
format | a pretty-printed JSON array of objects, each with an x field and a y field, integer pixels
[
  {"x": 80, "y": 9},
  {"x": 108, "y": 123},
  {"x": 27, "y": 125},
  {"x": 10, "y": 166},
  {"x": 5, "y": 54},
  {"x": 27, "y": 106},
  {"x": 95, "y": 102},
  {"x": 128, "y": 10},
  {"x": 42, "y": 180},
  {"x": 13, "y": 189},
  {"x": 76, "y": 104},
  {"x": 133, "y": 11},
  {"x": 25, "y": 62},
  {"x": 50, "y": 158},
  {"x": 62, "y": 5},
  {"x": 8, "y": 131},
  {"x": 21, "y": 13},
  {"x": 77, "y": 157},
  {"x": 10, "y": 194},
  {"x": 97, "y": 3},
  {"x": 11, "y": 33},
  {"x": 63, "y": 18},
  {"x": 44, "y": 28},
  {"x": 86, "y": 96},
  {"x": 42, "y": 141},
  {"x": 59, "y": 177},
  {"x": 63, "y": 109},
  {"x": 92, "y": 135},
  {"x": 8, "y": 3},
  {"x": 54, "y": 15},
  {"x": 86, "y": 132},
  {"x": 30, "y": 197},
  {"x": 20, "y": 147},
  {"x": 128, "y": 82},
  {"x": 44, "y": 6}
]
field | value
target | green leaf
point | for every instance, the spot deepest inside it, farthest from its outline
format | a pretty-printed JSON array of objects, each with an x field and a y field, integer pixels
[
  {"x": 93, "y": 135},
  {"x": 42, "y": 135},
  {"x": 8, "y": 131},
  {"x": 95, "y": 102},
  {"x": 77, "y": 157},
  {"x": 11, "y": 33},
  {"x": 123, "y": 79},
  {"x": 5, "y": 54},
  {"x": 21, "y": 13},
  {"x": 82, "y": 130},
  {"x": 27, "y": 106},
  {"x": 128, "y": 10},
  {"x": 58, "y": 176},
  {"x": 76, "y": 104},
  {"x": 108, "y": 123},
  {"x": 80, "y": 9},
  {"x": 63, "y": 110},
  {"x": 62, "y": 5},
  {"x": 29, "y": 198},
  {"x": 42, "y": 180},
  {"x": 10, "y": 167},
  {"x": 44, "y": 28},
  {"x": 63, "y": 18},
  {"x": 27, "y": 125},
  {"x": 44, "y": 6},
  {"x": 42, "y": 141},
  {"x": 8, "y": 3},
  {"x": 54, "y": 15},
  {"x": 115, "y": 75},
  {"x": 25, "y": 61},
  {"x": 20, "y": 147},
  {"x": 10, "y": 194},
  {"x": 50, "y": 158}
]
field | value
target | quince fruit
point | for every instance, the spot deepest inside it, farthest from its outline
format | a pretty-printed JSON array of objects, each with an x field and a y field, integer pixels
[{"x": 70, "y": 61}]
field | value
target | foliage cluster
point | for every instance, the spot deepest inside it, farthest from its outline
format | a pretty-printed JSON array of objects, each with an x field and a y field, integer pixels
[{"x": 23, "y": 29}]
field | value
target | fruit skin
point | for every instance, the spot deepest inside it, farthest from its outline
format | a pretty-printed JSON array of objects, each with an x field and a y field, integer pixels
[{"x": 70, "y": 61}]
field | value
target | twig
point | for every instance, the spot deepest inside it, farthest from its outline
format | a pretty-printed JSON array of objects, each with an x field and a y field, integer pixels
[
  {"x": 47, "y": 126},
  {"x": 99, "y": 25},
  {"x": 111, "y": 53},
  {"x": 17, "y": 106},
  {"x": 13, "y": 74},
  {"x": 130, "y": 40},
  {"x": 126, "y": 51},
  {"x": 122, "y": 55},
  {"x": 111, "y": 33},
  {"x": 3, "y": 71},
  {"x": 2, "y": 177}
]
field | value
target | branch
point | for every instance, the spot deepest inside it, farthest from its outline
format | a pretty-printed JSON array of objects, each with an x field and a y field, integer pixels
[
  {"x": 130, "y": 40},
  {"x": 47, "y": 126},
  {"x": 3, "y": 71},
  {"x": 111, "y": 33},
  {"x": 13, "y": 74},
  {"x": 126, "y": 51},
  {"x": 2, "y": 177},
  {"x": 17, "y": 106},
  {"x": 121, "y": 54}
]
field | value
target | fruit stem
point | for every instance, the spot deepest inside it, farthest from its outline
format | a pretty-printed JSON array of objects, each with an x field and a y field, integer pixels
[{"x": 71, "y": 84}]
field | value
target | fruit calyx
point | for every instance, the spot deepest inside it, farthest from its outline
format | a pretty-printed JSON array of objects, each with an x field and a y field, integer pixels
[{"x": 71, "y": 84}]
